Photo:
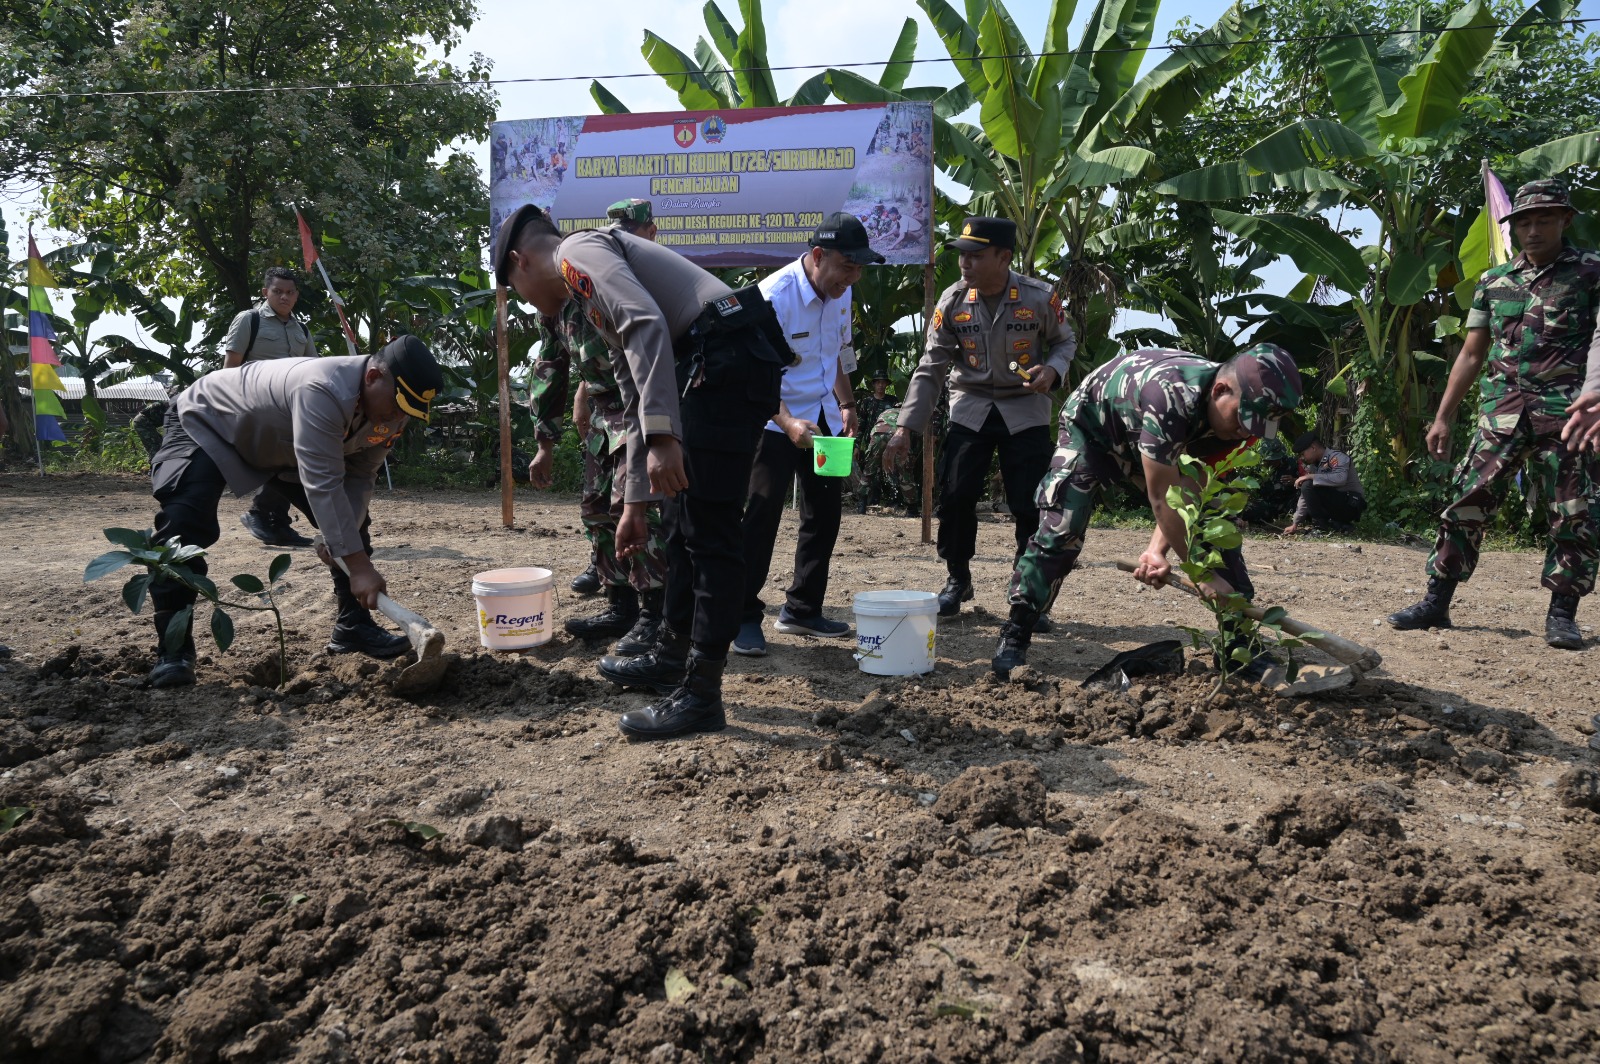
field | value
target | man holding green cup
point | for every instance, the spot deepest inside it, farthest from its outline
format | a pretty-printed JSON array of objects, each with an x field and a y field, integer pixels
[{"x": 812, "y": 299}]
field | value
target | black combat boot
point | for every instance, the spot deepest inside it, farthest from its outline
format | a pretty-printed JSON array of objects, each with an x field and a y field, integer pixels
[
  {"x": 173, "y": 668},
  {"x": 355, "y": 632},
  {"x": 622, "y": 609},
  {"x": 1561, "y": 624},
  {"x": 1015, "y": 635},
  {"x": 696, "y": 706},
  {"x": 1432, "y": 612},
  {"x": 642, "y": 636},
  {"x": 587, "y": 582},
  {"x": 661, "y": 668},
  {"x": 957, "y": 589}
]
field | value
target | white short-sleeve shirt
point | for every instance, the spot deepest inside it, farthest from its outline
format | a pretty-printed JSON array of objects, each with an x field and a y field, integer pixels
[{"x": 818, "y": 329}]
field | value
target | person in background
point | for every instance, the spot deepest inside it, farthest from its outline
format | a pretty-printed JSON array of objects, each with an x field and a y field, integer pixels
[
  {"x": 270, "y": 330},
  {"x": 1330, "y": 490}
]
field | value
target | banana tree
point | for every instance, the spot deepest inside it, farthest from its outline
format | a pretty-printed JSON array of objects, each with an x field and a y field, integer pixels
[
  {"x": 1062, "y": 134},
  {"x": 1399, "y": 128}
]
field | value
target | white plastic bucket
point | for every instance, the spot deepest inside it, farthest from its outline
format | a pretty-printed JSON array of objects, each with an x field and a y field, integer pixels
[
  {"x": 896, "y": 631},
  {"x": 514, "y": 607}
]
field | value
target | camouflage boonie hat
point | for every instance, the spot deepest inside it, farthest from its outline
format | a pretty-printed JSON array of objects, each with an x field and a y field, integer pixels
[
  {"x": 1537, "y": 195},
  {"x": 634, "y": 210},
  {"x": 1269, "y": 387}
]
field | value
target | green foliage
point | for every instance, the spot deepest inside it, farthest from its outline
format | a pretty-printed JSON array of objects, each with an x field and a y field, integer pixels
[
  {"x": 1210, "y": 500},
  {"x": 198, "y": 188},
  {"x": 172, "y": 562}
]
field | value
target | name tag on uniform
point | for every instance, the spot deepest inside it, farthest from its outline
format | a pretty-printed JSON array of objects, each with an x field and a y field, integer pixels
[{"x": 799, "y": 336}]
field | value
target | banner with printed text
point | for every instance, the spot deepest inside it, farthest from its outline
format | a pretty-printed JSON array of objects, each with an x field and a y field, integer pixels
[{"x": 742, "y": 187}]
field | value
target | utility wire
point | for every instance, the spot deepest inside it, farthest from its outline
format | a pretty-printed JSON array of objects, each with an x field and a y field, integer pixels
[{"x": 468, "y": 83}]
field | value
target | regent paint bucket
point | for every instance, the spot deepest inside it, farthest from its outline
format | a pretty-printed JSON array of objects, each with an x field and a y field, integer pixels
[{"x": 514, "y": 607}]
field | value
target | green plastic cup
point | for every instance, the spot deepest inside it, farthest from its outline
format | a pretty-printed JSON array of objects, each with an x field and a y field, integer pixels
[{"x": 831, "y": 455}]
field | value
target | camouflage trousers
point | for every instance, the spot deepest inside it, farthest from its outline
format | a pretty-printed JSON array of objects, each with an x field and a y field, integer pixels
[
  {"x": 604, "y": 470},
  {"x": 1560, "y": 479},
  {"x": 1066, "y": 499},
  {"x": 901, "y": 488}
]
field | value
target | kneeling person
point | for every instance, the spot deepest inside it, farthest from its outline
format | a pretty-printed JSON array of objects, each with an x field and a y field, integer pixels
[
  {"x": 1130, "y": 420},
  {"x": 1331, "y": 493},
  {"x": 317, "y": 430}
]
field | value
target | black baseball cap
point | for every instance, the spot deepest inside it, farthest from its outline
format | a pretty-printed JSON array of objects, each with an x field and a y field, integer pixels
[
  {"x": 417, "y": 377},
  {"x": 845, "y": 234},
  {"x": 978, "y": 233},
  {"x": 509, "y": 231}
]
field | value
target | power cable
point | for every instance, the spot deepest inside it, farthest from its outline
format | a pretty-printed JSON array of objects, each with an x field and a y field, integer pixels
[{"x": 468, "y": 83}]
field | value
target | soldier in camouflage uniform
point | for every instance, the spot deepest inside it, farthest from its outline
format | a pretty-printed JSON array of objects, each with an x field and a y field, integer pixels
[
  {"x": 900, "y": 484},
  {"x": 634, "y": 586},
  {"x": 1533, "y": 320},
  {"x": 869, "y": 408},
  {"x": 1130, "y": 420}
]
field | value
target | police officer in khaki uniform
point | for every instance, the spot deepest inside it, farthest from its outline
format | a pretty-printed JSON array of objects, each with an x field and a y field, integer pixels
[
  {"x": 699, "y": 374},
  {"x": 1004, "y": 342}
]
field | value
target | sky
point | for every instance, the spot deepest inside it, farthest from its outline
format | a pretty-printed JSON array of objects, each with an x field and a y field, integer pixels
[{"x": 580, "y": 41}]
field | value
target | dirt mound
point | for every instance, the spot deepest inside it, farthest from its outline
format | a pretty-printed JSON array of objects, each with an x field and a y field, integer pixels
[{"x": 1009, "y": 794}]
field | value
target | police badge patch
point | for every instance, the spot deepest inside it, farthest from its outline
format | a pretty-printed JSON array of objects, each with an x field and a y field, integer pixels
[{"x": 577, "y": 280}]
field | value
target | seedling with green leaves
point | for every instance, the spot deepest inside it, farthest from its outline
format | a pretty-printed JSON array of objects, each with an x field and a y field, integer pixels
[
  {"x": 172, "y": 561},
  {"x": 1209, "y": 500}
]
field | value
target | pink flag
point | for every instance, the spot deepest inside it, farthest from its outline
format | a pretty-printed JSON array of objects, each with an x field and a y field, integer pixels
[
  {"x": 308, "y": 249},
  {"x": 1498, "y": 205}
]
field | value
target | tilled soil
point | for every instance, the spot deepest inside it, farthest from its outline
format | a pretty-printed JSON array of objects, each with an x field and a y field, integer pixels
[{"x": 937, "y": 868}]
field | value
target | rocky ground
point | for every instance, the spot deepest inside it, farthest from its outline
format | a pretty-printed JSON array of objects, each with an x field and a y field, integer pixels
[{"x": 941, "y": 868}]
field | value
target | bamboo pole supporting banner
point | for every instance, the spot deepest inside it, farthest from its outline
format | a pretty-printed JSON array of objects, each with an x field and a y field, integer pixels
[{"x": 503, "y": 351}]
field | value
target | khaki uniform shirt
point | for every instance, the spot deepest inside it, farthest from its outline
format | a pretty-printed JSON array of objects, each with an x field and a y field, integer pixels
[
  {"x": 976, "y": 349},
  {"x": 274, "y": 338},
  {"x": 300, "y": 419},
  {"x": 640, "y": 297}
]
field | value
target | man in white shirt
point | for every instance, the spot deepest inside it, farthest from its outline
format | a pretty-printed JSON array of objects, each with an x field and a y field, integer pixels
[{"x": 812, "y": 299}]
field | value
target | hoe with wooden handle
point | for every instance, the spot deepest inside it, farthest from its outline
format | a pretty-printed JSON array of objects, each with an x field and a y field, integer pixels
[
  {"x": 427, "y": 641},
  {"x": 1361, "y": 659}
]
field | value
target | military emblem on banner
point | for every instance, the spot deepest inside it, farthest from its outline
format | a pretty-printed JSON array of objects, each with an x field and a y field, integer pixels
[
  {"x": 683, "y": 132},
  {"x": 713, "y": 129}
]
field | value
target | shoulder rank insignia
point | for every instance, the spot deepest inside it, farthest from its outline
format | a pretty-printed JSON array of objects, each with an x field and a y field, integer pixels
[
  {"x": 577, "y": 280},
  {"x": 1022, "y": 313},
  {"x": 972, "y": 295},
  {"x": 1015, "y": 295}
]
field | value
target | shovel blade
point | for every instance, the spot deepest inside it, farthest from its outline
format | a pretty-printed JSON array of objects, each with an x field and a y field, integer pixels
[{"x": 1310, "y": 680}]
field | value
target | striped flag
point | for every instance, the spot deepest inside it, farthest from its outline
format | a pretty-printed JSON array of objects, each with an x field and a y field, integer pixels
[
  {"x": 1499, "y": 205},
  {"x": 308, "y": 250},
  {"x": 42, "y": 360}
]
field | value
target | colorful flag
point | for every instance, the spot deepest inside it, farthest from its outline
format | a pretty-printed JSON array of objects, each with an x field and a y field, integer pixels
[
  {"x": 42, "y": 360},
  {"x": 1498, "y": 204},
  {"x": 308, "y": 251}
]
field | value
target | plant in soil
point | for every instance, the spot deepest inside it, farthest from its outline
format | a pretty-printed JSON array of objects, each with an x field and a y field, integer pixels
[
  {"x": 1210, "y": 499},
  {"x": 171, "y": 561}
]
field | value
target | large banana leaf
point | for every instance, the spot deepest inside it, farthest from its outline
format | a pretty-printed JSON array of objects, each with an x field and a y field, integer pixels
[
  {"x": 753, "y": 56},
  {"x": 1552, "y": 157},
  {"x": 1313, "y": 142},
  {"x": 814, "y": 91},
  {"x": 1430, "y": 96},
  {"x": 721, "y": 80},
  {"x": 1009, "y": 115},
  {"x": 1474, "y": 258},
  {"x": 1120, "y": 31},
  {"x": 898, "y": 68},
  {"x": 1360, "y": 83},
  {"x": 1314, "y": 247},
  {"x": 1056, "y": 57},
  {"x": 1222, "y": 182},
  {"x": 1107, "y": 167},
  {"x": 959, "y": 40},
  {"x": 683, "y": 75},
  {"x": 608, "y": 104},
  {"x": 1180, "y": 82}
]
